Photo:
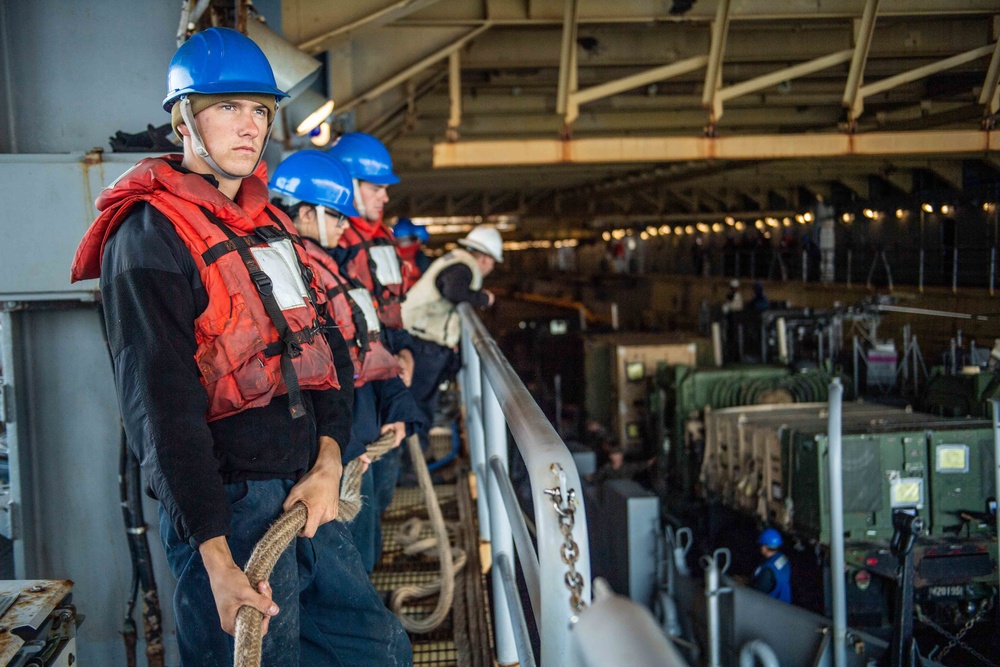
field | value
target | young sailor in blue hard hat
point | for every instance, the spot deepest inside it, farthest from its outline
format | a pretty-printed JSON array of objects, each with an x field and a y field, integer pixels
[
  {"x": 230, "y": 391},
  {"x": 321, "y": 197}
]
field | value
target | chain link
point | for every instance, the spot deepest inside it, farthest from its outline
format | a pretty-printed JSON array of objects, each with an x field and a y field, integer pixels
[
  {"x": 569, "y": 550},
  {"x": 956, "y": 639}
]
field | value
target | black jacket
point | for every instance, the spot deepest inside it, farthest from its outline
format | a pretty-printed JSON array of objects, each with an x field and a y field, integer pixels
[{"x": 152, "y": 293}]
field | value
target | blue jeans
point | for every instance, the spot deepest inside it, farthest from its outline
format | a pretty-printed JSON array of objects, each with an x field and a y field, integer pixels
[
  {"x": 330, "y": 614},
  {"x": 385, "y": 472},
  {"x": 364, "y": 526}
]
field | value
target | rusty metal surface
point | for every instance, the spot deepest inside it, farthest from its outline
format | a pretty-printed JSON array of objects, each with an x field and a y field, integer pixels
[{"x": 36, "y": 600}]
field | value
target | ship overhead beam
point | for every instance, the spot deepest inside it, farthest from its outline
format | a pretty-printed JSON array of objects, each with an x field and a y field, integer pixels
[
  {"x": 413, "y": 70},
  {"x": 382, "y": 17},
  {"x": 675, "y": 149}
]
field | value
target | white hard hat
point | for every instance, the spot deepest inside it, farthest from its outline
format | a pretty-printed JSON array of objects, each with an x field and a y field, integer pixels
[{"x": 486, "y": 239}]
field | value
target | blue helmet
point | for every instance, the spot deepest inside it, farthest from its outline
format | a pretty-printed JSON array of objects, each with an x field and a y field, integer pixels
[
  {"x": 315, "y": 178},
  {"x": 404, "y": 228},
  {"x": 365, "y": 157},
  {"x": 219, "y": 60},
  {"x": 770, "y": 538}
]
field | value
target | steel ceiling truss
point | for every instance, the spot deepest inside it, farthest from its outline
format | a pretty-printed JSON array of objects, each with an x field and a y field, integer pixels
[{"x": 605, "y": 86}]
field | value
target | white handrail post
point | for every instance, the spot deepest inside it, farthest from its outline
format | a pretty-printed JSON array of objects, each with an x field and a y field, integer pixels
[
  {"x": 837, "y": 584},
  {"x": 472, "y": 391},
  {"x": 502, "y": 540}
]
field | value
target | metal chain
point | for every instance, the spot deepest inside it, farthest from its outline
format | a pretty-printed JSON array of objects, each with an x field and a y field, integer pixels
[
  {"x": 570, "y": 550},
  {"x": 956, "y": 639}
]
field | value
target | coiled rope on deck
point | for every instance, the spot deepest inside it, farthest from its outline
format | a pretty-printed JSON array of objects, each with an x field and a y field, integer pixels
[
  {"x": 280, "y": 535},
  {"x": 452, "y": 560}
]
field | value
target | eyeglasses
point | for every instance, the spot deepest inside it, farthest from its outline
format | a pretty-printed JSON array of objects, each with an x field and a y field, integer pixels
[{"x": 341, "y": 219}]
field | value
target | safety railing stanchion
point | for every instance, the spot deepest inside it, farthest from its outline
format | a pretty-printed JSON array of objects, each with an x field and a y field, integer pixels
[
  {"x": 472, "y": 394},
  {"x": 502, "y": 541},
  {"x": 560, "y": 516}
]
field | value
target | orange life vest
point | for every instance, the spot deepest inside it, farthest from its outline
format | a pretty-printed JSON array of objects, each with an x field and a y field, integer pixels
[
  {"x": 353, "y": 309},
  {"x": 260, "y": 335},
  {"x": 408, "y": 263},
  {"x": 376, "y": 265}
]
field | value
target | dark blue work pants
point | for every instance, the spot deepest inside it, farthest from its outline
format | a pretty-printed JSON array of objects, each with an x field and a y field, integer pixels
[{"x": 330, "y": 614}]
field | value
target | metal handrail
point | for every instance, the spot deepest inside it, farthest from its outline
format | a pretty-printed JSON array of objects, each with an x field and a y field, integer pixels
[{"x": 494, "y": 394}]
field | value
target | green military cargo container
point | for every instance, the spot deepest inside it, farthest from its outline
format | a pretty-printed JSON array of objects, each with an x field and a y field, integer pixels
[{"x": 888, "y": 464}]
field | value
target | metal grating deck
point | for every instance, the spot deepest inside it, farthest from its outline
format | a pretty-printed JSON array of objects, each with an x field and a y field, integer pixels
[{"x": 465, "y": 637}]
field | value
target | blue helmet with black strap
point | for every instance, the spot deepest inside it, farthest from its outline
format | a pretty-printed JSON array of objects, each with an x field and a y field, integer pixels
[
  {"x": 314, "y": 177},
  {"x": 366, "y": 158},
  {"x": 219, "y": 60}
]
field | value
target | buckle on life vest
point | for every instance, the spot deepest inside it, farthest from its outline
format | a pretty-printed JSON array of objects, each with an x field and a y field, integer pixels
[
  {"x": 268, "y": 233},
  {"x": 263, "y": 282}
]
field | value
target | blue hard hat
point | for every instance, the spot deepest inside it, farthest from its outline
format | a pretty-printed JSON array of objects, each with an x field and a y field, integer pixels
[
  {"x": 404, "y": 228},
  {"x": 770, "y": 538},
  {"x": 219, "y": 60},
  {"x": 365, "y": 157},
  {"x": 314, "y": 177}
]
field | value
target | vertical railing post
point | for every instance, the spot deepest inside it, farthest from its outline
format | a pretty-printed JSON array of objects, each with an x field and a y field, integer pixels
[
  {"x": 472, "y": 390},
  {"x": 502, "y": 540},
  {"x": 920, "y": 280},
  {"x": 836, "y": 468},
  {"x": 850, "y": 257},
  {"x": 954, "y": 270},
  {"x": 993, "y": 268},
  {"x": 996, "y": 454}
]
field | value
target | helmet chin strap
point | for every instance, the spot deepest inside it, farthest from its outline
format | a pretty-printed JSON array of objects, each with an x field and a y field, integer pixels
[
  {"x": 199, "y": 146},
  {"x": 359, "y": 203},
  {"x": 324, "y": 238}
]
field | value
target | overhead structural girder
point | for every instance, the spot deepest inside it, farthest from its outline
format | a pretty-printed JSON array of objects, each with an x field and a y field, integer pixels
[
  {"x": 864, "y": 30},
  {"x": 610, "y": 88},
  {"x": 413, "y": 70},
  {"x": 949, "y": 171},
  {"x": 899, "y": 178},
  {"x": 774, "y": 78},
  {"x": 382, "y": 17},
  {"x": 857, "y": 184},
  {"x": 989, "y": 97},
  {"x": 454, "y": 91},
  {"x": 567, "y": 55},
  {"x": 918, "y": 73},
  {"x": 673, "y": 149},
  {"x": 713, "y": 70}
]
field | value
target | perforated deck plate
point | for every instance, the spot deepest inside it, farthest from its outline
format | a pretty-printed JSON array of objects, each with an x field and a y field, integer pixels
[{"x": 464, "y": 638}]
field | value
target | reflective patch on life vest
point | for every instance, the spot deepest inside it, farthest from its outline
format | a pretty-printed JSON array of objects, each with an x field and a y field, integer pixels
[
  {"x": 363, "y": 298},
  {"x": 279, "y": 261},
  {"x": 780, "y": 562},
  {"x": 386, "y": 260}
]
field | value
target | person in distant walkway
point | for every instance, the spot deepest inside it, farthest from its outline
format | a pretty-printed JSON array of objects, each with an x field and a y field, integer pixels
[
  {"x": 410, "y": 240},
  {"x": 759, "y": 300},
  {"x": 774, "y": 576},
  {"x": 430, "y": 312},
  {"x": 734, "y": 298},
  {"x": 618, "y": 468}
]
